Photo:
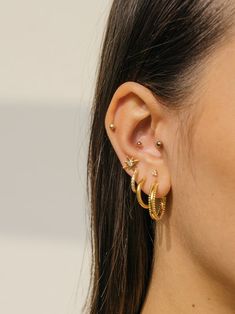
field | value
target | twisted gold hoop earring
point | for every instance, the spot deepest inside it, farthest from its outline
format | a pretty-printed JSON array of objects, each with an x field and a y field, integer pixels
[
  {"x": 156, "y": 213},
  {"x": 133, "y": 179}
]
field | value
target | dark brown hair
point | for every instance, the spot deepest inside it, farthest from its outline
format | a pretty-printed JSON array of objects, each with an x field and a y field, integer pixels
[{"x": 161, "y": 45}]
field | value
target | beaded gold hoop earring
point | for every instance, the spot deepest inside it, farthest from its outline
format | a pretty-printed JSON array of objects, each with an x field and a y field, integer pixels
[
  {"x": 156, "y": 213},
  {"x": 133, "y": 179}
]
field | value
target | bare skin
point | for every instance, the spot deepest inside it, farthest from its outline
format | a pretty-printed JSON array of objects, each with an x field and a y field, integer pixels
[{"x": 194, "y": 268}]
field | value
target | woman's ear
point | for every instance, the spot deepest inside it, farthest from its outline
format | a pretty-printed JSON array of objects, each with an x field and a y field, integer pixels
[{"x": 138, "y": 123}]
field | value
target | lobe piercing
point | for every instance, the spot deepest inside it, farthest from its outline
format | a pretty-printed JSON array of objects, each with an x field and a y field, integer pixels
[{"x": 155, "y": 173}]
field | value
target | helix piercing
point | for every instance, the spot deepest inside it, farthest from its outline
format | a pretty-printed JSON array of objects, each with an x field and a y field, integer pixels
[{"x": 112, "y": 127}]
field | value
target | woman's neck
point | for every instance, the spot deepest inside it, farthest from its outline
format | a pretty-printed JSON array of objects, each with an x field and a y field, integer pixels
[{"x": 180, "y": 283}]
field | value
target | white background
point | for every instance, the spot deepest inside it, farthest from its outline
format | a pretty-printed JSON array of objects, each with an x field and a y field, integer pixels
[{"x": 48, "y": 62}]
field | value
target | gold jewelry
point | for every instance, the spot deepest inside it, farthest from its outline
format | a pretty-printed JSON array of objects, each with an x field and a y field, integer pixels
[
  {"x": 139, "y": 143},
  {"x": 112, "y": 127},
  {"x": 155, "y": 173},
  {"x": 130, "y": 163},
  {"x": 138, "y": 194},
  {"x": 156, "y": 214},
  {"x": 159, "y": 144},
  {"x": 133, "y": 179}
]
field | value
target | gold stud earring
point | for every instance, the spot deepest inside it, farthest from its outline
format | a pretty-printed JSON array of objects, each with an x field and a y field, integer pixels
[
  {"x": 155, "y": 173},
  {"x": 139, "y": 144},
  {"x": 159, "y": 144},
  {"x": 130, "y": 163},
  {"x": 112, "y": 127}
]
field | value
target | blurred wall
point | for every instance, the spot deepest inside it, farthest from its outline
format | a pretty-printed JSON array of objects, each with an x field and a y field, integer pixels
[
  {"x": 48, "y": 62},
  {"x": 49, "y": 49}
]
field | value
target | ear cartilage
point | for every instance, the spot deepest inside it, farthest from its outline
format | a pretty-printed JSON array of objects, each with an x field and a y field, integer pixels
[{"x": 155, "y": 173}]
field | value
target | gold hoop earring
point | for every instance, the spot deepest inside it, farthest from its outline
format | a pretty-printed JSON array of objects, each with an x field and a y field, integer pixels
[
  {"x": 133, "y": 179},
  {"x": 156, "y": 213},
  {"x": 138, "y": 194}
]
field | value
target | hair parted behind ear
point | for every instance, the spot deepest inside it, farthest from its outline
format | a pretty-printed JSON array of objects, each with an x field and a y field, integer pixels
[{"x": 160, "y": 44}]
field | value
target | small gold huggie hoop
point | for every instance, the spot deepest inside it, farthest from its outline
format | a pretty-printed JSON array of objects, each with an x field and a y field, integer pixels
[
  {"x": 133, "y": 179},
  {"x": 138, "y": 194}
]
